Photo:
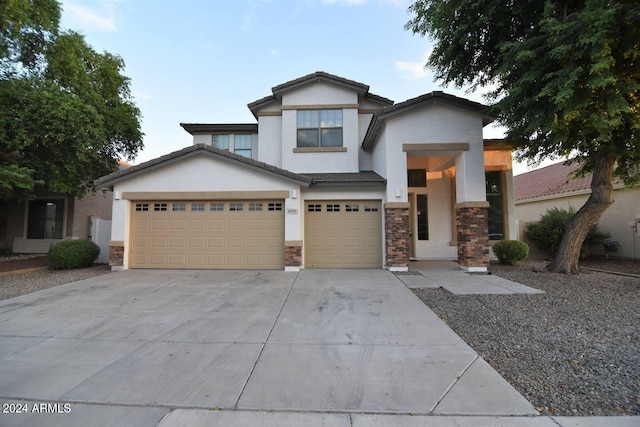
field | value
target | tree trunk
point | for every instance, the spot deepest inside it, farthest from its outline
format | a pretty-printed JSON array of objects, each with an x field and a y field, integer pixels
[{"x": 568, "y": 255}]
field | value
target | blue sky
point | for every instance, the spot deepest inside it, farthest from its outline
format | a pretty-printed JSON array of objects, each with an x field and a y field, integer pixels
[{"x": 203, "y": 61}]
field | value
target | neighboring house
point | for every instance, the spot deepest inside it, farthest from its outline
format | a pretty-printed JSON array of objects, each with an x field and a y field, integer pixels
[
  {"x": 32, "y": 226},
  {"x": 554, "y": 186},
  {"x": 330, "y": 176}
]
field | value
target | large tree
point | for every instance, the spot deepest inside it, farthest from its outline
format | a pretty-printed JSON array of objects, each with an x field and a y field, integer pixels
[
  {"x": 566, "y": 84},
  {"x": 66, "y": 112}
]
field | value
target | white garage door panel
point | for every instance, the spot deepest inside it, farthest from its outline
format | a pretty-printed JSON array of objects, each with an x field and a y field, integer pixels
[
  {"x": 343, "y": 234},
  {"x": 211, "y": 236}
]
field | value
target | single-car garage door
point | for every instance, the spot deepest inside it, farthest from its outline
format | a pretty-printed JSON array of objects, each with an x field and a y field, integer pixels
[
  {"x": 213, "y": 234},
  {"x": 343, "y": 234}
]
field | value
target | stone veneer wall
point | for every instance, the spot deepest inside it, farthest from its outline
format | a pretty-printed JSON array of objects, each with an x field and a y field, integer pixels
[
  {"x": 116, "y": 254},
  {"x": 293, "y": 255},
  {"x": 397, "y": 231},
  {"x": 473, "y": 235}
]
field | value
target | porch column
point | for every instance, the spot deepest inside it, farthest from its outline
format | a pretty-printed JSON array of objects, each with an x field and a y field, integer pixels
[
  {"x": 473, "y": 235},
  {"x": 397, "y": 229},
  {"x": 116, "y": 254},
  {"x": 472, "y": 210}
]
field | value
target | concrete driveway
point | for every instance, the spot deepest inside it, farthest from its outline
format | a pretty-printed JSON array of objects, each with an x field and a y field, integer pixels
[{"x": 164, "y": 348}]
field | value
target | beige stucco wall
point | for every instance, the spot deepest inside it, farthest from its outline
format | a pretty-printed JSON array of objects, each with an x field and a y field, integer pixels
[{"x": 614, "y": 221}]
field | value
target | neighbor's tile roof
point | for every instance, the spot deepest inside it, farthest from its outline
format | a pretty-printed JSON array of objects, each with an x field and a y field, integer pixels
[{"x": 549, "y": 181}]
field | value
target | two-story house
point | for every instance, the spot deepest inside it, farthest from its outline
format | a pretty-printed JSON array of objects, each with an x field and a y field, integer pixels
[{"x": 330, "y": 176}]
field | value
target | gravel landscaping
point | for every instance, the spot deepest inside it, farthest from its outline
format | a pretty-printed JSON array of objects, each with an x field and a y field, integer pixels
[
  {"x": 38, "y": 276},
  {"x": 571, "y": 351}
]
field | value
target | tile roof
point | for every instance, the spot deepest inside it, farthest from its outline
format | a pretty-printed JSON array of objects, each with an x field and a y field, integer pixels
[
  {"x": 193, "y": 150},
  {"x": 354, "y": 178},
  {"x": 363, "y": 178},
  {"x": 549, "y": 181}
]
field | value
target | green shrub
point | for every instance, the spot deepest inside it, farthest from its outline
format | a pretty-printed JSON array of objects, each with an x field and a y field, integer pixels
[
  {"x": 510, "y": 251},
  {"x": 70, "y": 254},
  {"x": 547, "y": 233}
]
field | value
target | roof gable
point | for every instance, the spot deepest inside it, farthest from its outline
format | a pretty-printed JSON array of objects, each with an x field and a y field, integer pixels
[
  {"x": 379, "y": 118},
  {"x": 319, "y": 76},
  {"x": 199, "y": 150}
]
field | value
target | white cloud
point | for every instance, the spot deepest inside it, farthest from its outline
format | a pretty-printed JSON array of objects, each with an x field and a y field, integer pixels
[
  {"x": 87, "y": 18},
  {"x": 413, "y": 70}
]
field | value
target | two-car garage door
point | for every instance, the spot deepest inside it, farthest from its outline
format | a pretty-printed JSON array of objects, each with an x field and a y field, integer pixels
[
  {"x": 249, "y": 234},
  {"x": 234, "y": 234}
]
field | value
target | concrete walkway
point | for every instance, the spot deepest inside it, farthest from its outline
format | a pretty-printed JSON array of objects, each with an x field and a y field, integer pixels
[
  {"x": 449, "y": 276},
  {"x": 246, "y": 348}
]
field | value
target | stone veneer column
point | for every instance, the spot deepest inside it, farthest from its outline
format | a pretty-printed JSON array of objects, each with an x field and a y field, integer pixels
[
  {"x": 397, "y": 230},
  {"x": 116, "y": 254},
  {"x": 293, "y": 254},
  {"x": 473, "y": 235}
]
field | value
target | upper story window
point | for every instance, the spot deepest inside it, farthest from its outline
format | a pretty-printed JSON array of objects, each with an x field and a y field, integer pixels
[
  {"x": 220, "y": 141},
  {"x": 239, "y": 144},
  {"x": 242, "y": 145},
  {"x": 319, "y": 128}
]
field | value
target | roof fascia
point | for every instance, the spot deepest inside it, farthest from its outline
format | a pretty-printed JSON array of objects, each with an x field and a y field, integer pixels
[{"x": 207, "y": 128}]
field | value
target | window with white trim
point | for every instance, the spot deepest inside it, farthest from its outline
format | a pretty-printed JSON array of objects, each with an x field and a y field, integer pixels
[
  {"x": 197, "y": 207},
  {"x": 236, "y": 207},
  {"x": 179, "y": 207},
  {"x": 255, "y": 206},
  {"x": 319, "y": 128}
]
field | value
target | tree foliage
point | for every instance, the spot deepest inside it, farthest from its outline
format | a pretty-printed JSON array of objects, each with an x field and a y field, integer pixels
[
  {"x": 565, "y": 78},
  {"x": 67, "y": 113},
  {"x": 547, "y": 233}
]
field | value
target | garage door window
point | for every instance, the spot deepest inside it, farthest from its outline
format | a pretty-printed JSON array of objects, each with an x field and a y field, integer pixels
[
  {"x": 314, "y": 208},
  {"x": 273, "y": 207},
  {"x": 179, "y": 207},
  {"x": 142, "y": 207},
  {"x": 352, "y": 208},
  {"x": 370, "y": 208},
  {"x": 160, "y": 207},
  {"x": 216, "y": 207},
  {"x": 237, "y": 207},
  {"x": 197, "y": 207},
  {"x": 255, "y": 207},
  {"x": 333, "y": 208}
]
